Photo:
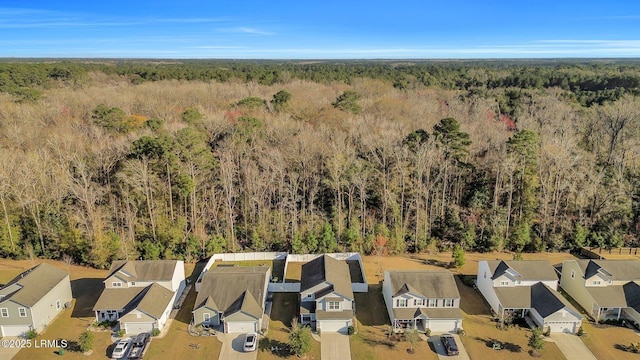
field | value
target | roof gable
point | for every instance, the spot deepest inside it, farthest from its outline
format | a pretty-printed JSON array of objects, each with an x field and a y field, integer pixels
[
  {"x": 232, "y": 289},
  {"x": 327, "y": 269},
  {"x": 143, "y": 270},
  {"x": 31, "y": 285},
  {"x": 430, "y": 284},
  {"x": 524, "y": 270}
]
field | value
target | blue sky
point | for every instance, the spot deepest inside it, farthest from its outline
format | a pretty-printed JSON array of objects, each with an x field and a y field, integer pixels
[{"x": 319, "y": 29}]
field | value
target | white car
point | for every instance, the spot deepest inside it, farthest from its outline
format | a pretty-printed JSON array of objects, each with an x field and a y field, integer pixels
[
  {"x": 122, "y": 349},
  {"x": 250, "y": 342}
]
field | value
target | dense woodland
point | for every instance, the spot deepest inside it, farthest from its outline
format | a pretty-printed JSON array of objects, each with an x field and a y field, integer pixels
[{"x": 107, "y": 160}]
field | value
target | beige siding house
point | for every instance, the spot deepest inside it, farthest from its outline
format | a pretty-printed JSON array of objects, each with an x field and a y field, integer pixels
[
  {"x": 326, "y": 295},
  {"x": 139, "y": 295},
  {"x": 33, "y": 299},
  {"x": 232, "y": 299},
  {"x": 606, "y": 289},
  {"x": 520, "y": 288},
  {"x": 422, "y": 300}
]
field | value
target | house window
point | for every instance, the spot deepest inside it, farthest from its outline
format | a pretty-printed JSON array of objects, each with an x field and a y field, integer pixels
[
  {"x": 573, "y": 274},
  {"x": 596, "y": 282},
  {"x": 22, "y": 312},
  {"x": 402, "y": 303},
  {"x": 4, "y": 312},
  {"x": 116, "y": 284},
  {"x": 334, "y": 305},
  {"x": 448, "y": 302},
  {"x": 418, "y": 302},
  {"x": 133, "y": 283},
  {"x": 432, "y": 303},
  {"x": 206, "y": 317},
  {"x": 58, "y": 305},
  {"x": 518, "y": 282},
  {"x": 504, "y": 283},
  {"x": 310, "y": 295}
]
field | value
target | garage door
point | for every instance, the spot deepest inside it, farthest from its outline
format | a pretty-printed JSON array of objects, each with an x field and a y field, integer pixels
[
  {"x": 14, "y": 330},
  {"x": 240, "y": 326},
  {"x": 137, "y": 328},
  {"x": 334, "y": 326},
  {"x": 563, "y": 327},
  {"x": 443, "y": 325}
]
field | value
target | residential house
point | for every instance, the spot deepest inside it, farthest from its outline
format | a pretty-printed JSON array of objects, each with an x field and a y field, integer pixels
[
  {"x": 422, "y": 300},
  {"x": 31, "y": 300},
  {"x": 522, "y": 288},
  {"x": 606, "y": 289},
  {"x": 140, "y": 295},
  {"x": 326, "y": 295},
  {"x": 232, "y": 298}
]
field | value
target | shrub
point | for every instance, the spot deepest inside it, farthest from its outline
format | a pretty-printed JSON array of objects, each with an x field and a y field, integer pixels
[
  {"x": 351, "y": 330},
  {"x": 251, "y": 102},
  {"x": 155, "y": 332},
  {"x": 580, "y": 331},
  {"x": 428, "y": 332},
  {"x": 86, "y": 341},
  {"x": 31, "y": 334},
  {"x": 121, "y": 333},
  {"x": 461, "y": 332}
]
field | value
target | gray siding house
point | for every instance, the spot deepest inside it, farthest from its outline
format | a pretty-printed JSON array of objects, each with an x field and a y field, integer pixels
[
  {"x": 33, "y": 299},
  {"x": 139, "y": 295},
  {"x": 233, "y": 298},
  {"x": 422, "y": 300}
]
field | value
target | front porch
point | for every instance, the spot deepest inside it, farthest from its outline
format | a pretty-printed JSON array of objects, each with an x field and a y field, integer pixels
[
  {"x": 108, "y": 315},
  {"x": 400, "y": 325},
  {"x": 604, "y": 313}
]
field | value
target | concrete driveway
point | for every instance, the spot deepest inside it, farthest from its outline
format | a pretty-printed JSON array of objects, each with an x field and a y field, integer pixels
[
  {"x": 7, "y": 352},
  {"x": 572, "y": 347},
  {"x": 334, "y": 346},
  {"x": 442, "y": 353},
  {"x": 232, "y": 345}
]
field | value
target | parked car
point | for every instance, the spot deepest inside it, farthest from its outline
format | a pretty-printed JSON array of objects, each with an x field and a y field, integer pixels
[
  {"x": 450, "y": 345},
  {"x": 122, "y": 349},
  {"x": 250, "y": 342},
  {"x": 139, "y": 345}
]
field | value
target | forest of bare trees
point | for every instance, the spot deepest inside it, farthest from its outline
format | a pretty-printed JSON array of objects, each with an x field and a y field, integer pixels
[{"x": 106, "y": 168}]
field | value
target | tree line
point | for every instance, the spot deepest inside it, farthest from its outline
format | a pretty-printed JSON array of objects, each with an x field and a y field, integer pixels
[{"x": 107, "y": 169}]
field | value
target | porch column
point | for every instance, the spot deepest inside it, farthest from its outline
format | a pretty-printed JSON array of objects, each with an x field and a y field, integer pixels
[
  {"x": 598, "y": 318},
  {"x": 619, "y": 310}
]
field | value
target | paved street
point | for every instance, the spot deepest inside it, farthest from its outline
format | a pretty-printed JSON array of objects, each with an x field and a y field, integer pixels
[
  {"x": 572, "y": 347},
  {"x": 334, "y": 346}
]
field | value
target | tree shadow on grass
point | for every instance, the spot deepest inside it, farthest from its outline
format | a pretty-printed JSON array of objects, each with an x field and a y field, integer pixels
[
  {"x": 509, "y": 346},
  {"x": 275, "y": 347}
]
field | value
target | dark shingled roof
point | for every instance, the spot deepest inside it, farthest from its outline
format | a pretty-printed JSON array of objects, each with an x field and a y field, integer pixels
[
  {"x": 431, "y": 284},
  {"x": 528, "y": 270},
  {"x": 330, "y": 270},
  {"x": 632, "y": 295},
  {"x": 33, "y": 284},
  {"x": 538, "y": 296},
  {"x": 232, "y": 289},
  {"x": 143, "y": 270}
]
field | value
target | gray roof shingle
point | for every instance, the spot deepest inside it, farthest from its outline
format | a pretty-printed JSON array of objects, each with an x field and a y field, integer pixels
[
  {"x": 34, "y": 284},
  {"x": 232, "y": 289},
  {"x": 143, "y": 270},
  {"x": 430, "y": 284},
  {"x": 330, "y": 270},
  {"x": 528, "y": 270}
]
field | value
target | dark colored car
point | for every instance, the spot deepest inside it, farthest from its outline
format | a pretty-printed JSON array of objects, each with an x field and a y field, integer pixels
[
  {"x": 450, "y": 345},
  {"x": 140, "y": 343}
]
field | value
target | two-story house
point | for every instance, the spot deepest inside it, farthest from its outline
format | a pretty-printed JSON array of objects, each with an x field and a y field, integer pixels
[
  {"x": 232, "y": 298},
  {"x": 139, "y": 295},
  {"x": 421, "y": 300},
  {"x": 527, "y": 288},
  {"x": 326, "y": 295},
  {"x": 32, "y": 299},
  {"x": 606, "y": 289}
]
